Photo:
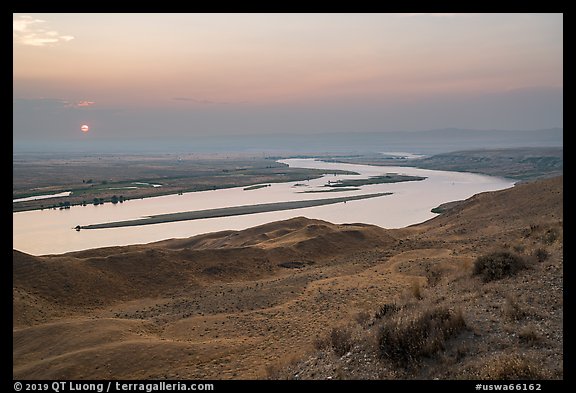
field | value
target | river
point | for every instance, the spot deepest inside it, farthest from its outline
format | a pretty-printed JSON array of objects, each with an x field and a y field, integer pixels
[{"x": 50, "y": 231}]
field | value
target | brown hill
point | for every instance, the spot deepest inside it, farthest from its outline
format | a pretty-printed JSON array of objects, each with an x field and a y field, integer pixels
[
  {"x": 508, "y": 210},
  {"x": 241, "y": 304},
  {"x": 513, "y": 326},
  {"x": 96, "y": 278}
]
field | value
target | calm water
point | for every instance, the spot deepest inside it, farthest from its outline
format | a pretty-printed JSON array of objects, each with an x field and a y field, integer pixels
[{"x": 51, "y": 231}]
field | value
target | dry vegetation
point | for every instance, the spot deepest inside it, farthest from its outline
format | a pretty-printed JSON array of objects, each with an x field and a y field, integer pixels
[
  {"x": 306, "y": 299},
  {"x": 498, "y": 265}
]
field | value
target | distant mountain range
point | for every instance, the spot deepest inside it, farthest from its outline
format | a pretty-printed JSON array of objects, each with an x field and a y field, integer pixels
[{"x": 426, "y": 142}]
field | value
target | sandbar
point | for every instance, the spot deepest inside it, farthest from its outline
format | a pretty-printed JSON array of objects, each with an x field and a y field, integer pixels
[{"x": 229, "y": 211}]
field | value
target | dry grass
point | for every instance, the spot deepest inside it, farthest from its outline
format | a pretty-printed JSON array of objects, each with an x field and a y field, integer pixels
[
  {"x": 529, "y": 336},
  {"x": 416, "y": 291},
  {"x": 341, "y": 340},
  {"x": 513, "y": 367},
  {"x": 275, "y": 370},
  {"x": 512, "y": 310},
  {"x": 386, "y": 310},
  {"x": 507, "y": 329},
  {"x": 519, "y": 248},
  {"x": 407, "y": 337},
  {"x": 321, "y": 343},
  {"x": 433, "y": 276},
  {"x": 363, "y": 318}
]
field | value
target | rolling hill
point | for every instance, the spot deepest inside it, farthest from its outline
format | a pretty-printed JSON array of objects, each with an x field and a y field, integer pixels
[{"x": 282, "y": 299}]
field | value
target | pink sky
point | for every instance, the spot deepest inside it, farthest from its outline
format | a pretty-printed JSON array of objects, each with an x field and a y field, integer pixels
[{"x": 240, "y": 65}]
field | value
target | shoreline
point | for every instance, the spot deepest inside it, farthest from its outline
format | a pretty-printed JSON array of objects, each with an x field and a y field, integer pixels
[
  {"x": 229, "y": 211},
  {"x": 158, "y": 192}
]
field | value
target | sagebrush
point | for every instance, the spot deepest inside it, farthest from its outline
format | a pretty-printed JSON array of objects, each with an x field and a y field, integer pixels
[
  {"x": 407, "y": 337},
  {"x": 498, "y": 265}
]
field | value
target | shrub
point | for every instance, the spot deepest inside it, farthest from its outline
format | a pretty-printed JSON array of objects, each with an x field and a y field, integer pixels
[
  {"x": 321, "y": 343},
  {"x": 541, "y": 254},
  {"x": 387, "y": 310},
  {"x": 416, "y": 291},
  {"x": 529, "y": 336},
  {"x": 513, "y": 367},
  {"x": 433, "y": 276},
  {"x": 341, "y": 340},
  {"x": 406, "y": 338},
  {"x": 498, "y": 265},
  {"x": 363, "y": 318},
  {"x": 512, "y": 310},
  {"x": 550, "y": 236},
  {"x": 519, "y": 248}
]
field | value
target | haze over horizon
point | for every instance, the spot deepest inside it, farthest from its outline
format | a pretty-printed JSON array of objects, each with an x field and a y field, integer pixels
[{"x": 135, "y": 76}]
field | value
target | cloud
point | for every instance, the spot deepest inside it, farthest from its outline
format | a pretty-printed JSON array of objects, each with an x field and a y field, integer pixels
[
  {"x": 80, "y": 104},
  {"x": 203, "y": 101},
  {"x": 52, "y": 103},
  {"x": 195, "y": 100},
  {"x": 27, "y": 30}
]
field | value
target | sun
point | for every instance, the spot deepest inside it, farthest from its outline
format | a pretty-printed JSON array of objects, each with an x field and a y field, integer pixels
[{"x": 85, "y": 128}]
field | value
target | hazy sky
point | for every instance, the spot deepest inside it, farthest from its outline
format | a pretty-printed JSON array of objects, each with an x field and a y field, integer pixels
[{"x": 206, "y": 74}]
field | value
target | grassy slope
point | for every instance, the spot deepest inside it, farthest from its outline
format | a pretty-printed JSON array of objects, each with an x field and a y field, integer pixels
[
  {"x": 513, "y": 326},
  {"x": 253, "y": 303},
  {"x": 519, "y": 164}
]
